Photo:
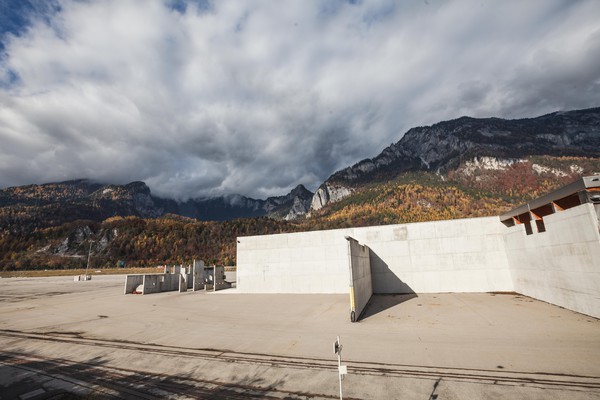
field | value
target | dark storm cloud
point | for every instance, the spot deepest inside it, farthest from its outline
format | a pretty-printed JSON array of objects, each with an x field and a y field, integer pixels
[{"x": 202, "y": 98}]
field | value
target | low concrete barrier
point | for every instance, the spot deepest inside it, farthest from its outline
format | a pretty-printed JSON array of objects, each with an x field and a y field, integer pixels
[
  {"x": 178, "y": 277},
  {"x": 160, "y": 283},
  {"x": 132, "y": 282},
  {"x": 197, "y": 282}
]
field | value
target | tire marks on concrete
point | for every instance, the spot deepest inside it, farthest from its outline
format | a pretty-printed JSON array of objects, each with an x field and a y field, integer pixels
[{"x": 481, "y": 376}]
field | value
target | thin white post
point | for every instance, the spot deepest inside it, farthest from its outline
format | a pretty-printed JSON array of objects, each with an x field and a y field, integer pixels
[
  {"x": 88, "y": 260},
  {"x": 340, "y": 375},
  {"x": 337, "y": 349}
]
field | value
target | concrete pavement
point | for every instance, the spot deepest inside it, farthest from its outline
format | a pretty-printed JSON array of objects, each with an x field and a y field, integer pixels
[{"x": 89, "y": 339}]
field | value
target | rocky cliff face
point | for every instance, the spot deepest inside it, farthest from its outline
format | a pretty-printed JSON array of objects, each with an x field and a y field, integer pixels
[
  {"x": 38, "y": 206},
  {"x": 446, "y": 145},
  {"x": 290, "y": 206},
  {"x": 468, "y": 144},
  {"x": 328, "y": 193},
  {"x": 133, "y": 199}
]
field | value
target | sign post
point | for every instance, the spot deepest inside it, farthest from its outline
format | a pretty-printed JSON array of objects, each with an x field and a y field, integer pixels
[{"x": 342, "y": 369}]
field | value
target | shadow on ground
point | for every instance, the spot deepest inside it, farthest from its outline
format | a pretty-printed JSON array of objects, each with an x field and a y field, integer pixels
[
  {"x": 382, "y": 302},
  {"x": 387, "y": 281},
  {"x": 62, "y": 379}
]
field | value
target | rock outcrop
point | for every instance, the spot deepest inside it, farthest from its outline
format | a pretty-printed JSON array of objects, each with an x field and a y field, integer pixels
[
  {"x": 328, "y": 193},
  {"x": 446, "y": 145},
  {"x": 290, "y": 206},
  {"x": 472, "y": 144}
]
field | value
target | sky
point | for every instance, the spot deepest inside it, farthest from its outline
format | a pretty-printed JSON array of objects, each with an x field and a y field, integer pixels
[{"x": 201, "y": 98}]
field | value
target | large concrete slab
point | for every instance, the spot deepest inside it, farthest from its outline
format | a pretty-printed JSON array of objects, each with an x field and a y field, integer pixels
[
  {"x": 361, "y": 286},
  {"x": 557, "y": 262},
  {"x": 231, "y": 345},
  {"x": 560, "y": 265},
  {"x": 465, "y": 255}
]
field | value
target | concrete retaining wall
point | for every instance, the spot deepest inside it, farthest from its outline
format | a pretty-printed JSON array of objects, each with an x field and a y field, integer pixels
[
  {"x": 197, "y": 275},
  {"x": 307, "y": 262},
  {"x": 183, "y": 283},
  {"x": 176, "y": 277},
  {"x": 466, "y": 255},
  {"x": 133, "y": 281},
  {"x": 562, "y": 264},
  {"x": 160, "y": 283},
  {"x": 361, "y": 287}
]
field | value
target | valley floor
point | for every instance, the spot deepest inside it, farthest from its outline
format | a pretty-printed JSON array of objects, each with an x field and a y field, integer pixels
[{"x": 89, "y": 339}]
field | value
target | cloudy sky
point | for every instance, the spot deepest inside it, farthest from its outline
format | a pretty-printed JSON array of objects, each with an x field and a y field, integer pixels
[{"x": 200, "y": 98}]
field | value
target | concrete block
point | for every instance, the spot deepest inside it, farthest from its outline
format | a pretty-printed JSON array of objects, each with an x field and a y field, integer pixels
[
  {"x": 400, "y": 233},
  {"x": 391, "y": 248},
  {"x": 425, "y": 247},
  {"x": 470, "y": 260},
  {"x": 450, "y": 230},
  {"x": 132, "y": 282},
  {"x": 373, "y": 235},
  {"x": 398, "y": 265},
  {"x": 277, "y": 241},
  {"x": 424, "y": 230},
  {"x": 432, "y": 262}
]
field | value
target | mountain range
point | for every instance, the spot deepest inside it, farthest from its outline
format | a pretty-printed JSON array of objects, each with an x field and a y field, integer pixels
[
  {"x": 50, "y": 204},
  {"x": 447, "y": 145},
  {"x": 456, "y": 146},
  {"x": 462, "y": 168}
]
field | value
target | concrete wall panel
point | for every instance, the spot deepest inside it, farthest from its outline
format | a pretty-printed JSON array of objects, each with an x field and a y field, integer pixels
[
  {"x": 361, "y": 287},
  {"x": 562, "y": 264},
  {"x": 304, "y": 264},
  {"x": 132, "y": 282},
  {"x": 399, "y": 256}
]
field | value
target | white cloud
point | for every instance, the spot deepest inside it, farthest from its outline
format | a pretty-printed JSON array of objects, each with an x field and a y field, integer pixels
[{"x": 256, "y": 97}]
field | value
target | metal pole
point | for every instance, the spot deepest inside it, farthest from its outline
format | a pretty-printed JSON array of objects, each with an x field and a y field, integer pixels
[
  {"x": 339, "y": 354},
  {"x": 88, "y": 260},
  {"x": 340, "y": 375}
]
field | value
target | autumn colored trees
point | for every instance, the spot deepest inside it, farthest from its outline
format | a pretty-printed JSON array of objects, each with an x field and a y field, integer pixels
[
  {"x": 138, "y": 242},
  {"x": 172, "y": 239}
]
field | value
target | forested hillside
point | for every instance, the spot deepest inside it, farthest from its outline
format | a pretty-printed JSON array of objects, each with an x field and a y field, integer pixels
[
  {"x": 137, "y": 241},
  {"x": 466, "y": 167},
  {"x": 483, "y": 187}
]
